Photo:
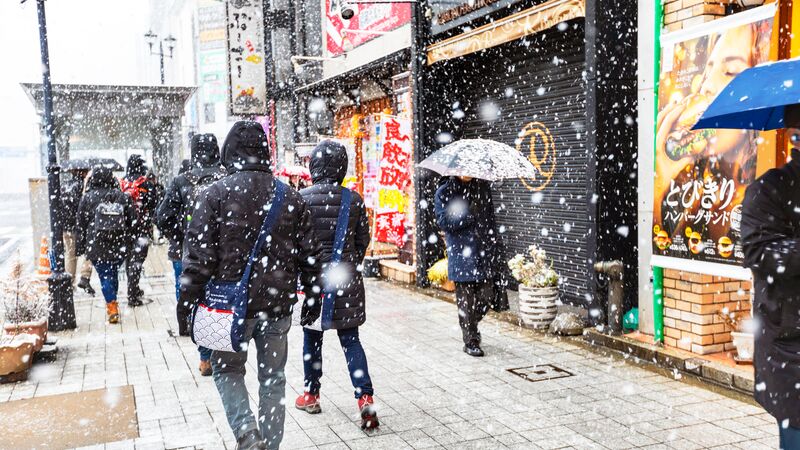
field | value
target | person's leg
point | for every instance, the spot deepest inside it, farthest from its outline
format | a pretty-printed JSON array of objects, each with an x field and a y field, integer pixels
[
  {"x": 205, "y": 353},
  {"x": 229, "y": 370},
  {"x": 789, "y": 437},
  {"x": 85, "y": 276},
  {"x": 70, "y": 259},
  {"x": 134, "y": 267},
  {"x": 312, "y": 360},
  {"x": 177, "y": 269},
  {"x": 107, "y": 271},
  {"x": 109, "y": 284},
  {"x": 465, "y": 300},
  {"x": 356, "y": 362},
  {"x": 271, "y": 344},
  {"x": 86, "y": 269}
]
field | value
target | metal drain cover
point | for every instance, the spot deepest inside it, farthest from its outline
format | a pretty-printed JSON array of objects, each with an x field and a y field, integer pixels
[{"x": 540, "y": 373}]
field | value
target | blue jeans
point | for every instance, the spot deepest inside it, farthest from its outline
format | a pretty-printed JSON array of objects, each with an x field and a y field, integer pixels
[
  {"x": 229, "y": 369},
  {"x": 108, "y": 271},
  {"x": 353, "y": 353},
  {"x": 177, "y": 268},
  {"x": 789, "y": 438}
]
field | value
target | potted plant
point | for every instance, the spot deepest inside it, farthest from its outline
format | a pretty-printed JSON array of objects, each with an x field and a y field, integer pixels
[
  {"x": 16, "y": 356},
  {"x": 26, "y": 307},
  {"x": 437, "y": 275},
  {"x": 741, "y": 334},
  {"x": 538, "y": 288}
]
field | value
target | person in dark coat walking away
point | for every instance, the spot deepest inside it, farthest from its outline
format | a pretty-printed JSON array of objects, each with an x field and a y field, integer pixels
[
  {"x": 175, "y": 212},
  {"x": 771, "y": 242},
  {"x": 328, "y": 168},
  {"x": 464, "y": 211},
  {"x": 143, "y": 193},
  {"x": 224, "y": 227},
  {"x": 71, "y": 195},
  {"x": 105, "y": 219}
]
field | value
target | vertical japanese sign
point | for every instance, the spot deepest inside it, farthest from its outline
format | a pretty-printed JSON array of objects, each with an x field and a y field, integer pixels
[
  {"x": 246, "y": 57},
  {"x": 701, "y": 175},
  {"x": 378, "y": 17},
  {"x": 394, "y": 178}
]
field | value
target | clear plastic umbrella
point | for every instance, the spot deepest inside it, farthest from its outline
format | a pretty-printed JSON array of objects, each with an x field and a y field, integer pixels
[{"x": 479, "y": 158}]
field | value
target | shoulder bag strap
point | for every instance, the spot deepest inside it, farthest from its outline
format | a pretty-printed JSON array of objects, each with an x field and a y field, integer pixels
[
  {"x": 266, "y": 227},
  {"x": 341, "y": 227},
  {"x": 326, "y": 316}
]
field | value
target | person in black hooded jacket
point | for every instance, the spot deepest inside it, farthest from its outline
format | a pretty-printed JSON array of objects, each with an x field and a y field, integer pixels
[
  {"x": 103, "y": 232},
  {"x": 224, "y": 227},
  {"x": 144, "y": 193},
  {"x": 328, "y": 168},
  {"x": 174, "y": 214}
]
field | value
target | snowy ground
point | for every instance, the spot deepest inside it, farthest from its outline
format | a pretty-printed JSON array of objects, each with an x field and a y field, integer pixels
[{"x": 430, "y": 394}]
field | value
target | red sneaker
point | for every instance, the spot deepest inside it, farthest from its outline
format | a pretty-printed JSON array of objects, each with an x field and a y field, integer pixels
[
  {"x": 308, "y": 403},
  {"x": 369, "y": 416}
]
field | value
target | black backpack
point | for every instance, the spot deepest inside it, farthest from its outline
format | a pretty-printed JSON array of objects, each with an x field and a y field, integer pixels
[
  {"x": 109, "y": 215},
  {"x": 198, "y": 182}
]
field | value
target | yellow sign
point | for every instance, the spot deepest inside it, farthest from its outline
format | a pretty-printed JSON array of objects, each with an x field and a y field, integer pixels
[{"x": 536, "y": 143}]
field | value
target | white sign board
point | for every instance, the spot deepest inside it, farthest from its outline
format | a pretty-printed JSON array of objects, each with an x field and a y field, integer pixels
[{"x": 247, "y": 57}]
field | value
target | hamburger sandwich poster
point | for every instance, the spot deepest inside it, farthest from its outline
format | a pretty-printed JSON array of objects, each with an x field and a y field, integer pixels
[{"x": 701, "y": 175}]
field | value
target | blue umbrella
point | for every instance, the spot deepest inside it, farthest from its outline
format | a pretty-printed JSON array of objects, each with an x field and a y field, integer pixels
[{"x": 756, "y": 98}]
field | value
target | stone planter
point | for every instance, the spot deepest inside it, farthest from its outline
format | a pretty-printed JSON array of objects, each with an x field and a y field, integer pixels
[
  {"x": 16, "y": 355},
  {"x": 537, "y": 306},
  {"x": 744, "y": 343},
  {"x": 38, "y": 329}
]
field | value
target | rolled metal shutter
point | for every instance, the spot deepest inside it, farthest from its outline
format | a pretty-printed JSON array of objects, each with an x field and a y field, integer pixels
[{"x": 538, "y": 79}]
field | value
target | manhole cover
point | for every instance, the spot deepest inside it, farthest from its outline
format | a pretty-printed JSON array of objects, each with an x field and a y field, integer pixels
[{"x": 540, "y": 373}]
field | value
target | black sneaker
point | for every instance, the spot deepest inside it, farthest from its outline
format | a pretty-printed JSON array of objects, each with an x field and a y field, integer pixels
[
  {"x": 86, "y": 286},
  {"x": 134, "y": 302},
  {"x": 250, "y": 441},
  {"x": 473, "y": 350}
]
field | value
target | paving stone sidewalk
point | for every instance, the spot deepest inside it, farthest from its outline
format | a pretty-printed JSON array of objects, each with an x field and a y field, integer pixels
[{"x": 429, "y": 393}]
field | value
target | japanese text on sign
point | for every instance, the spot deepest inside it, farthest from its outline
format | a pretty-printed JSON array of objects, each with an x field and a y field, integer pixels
[
  {"x": 246, "y": 57},
  {"x": 393, "y": 180}
]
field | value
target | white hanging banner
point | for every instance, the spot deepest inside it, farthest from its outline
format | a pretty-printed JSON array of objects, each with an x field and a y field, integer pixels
[{"x": 247, "y": 57}]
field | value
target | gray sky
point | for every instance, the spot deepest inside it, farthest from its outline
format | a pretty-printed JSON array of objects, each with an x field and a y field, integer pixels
[{"x": 91, "y": 41}]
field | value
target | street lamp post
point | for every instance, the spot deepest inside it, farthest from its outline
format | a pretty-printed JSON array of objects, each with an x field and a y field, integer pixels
[
  {"x": 151, "y": 39},
  {"x": 62, "y": 311}
]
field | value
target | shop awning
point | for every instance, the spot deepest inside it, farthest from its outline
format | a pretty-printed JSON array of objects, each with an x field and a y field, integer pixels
[{"x": 507, "y": 29}]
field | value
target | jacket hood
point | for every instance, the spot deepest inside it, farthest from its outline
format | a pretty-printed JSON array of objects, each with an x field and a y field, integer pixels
[
  {"x": 328, "y": 163},
  {"x": 186, "y": 165},
  {"x": 205, "y": 151},
  {"x": 102, "y": 178},
  {"x": 136, "y": 167},
  {"x": 246, "y": 148}
]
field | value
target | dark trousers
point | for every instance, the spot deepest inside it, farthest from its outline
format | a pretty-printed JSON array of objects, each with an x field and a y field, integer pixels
[
  {"x": 473, "y": 300},
  {"x": 108, "y": 271},
  {"x": 134, "y": 265},
  {"x": 353, "y": 353},
  {"x": 789, "y": 438}
]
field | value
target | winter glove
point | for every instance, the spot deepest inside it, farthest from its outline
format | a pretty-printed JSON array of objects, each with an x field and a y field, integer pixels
[{"x": 310, "y": 311}]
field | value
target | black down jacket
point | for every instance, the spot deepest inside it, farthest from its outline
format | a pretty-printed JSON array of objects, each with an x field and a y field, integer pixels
[
  {"x": 226, "y": 223},
  {"x": 148, "y": 197},
  {"x": 175, "y": 210},
  {"x": 71, "y": 194},
  {"x": 771, "y": 241},
  {"x": 103, "y": 187},
  {"x": 328, "y": 168}
]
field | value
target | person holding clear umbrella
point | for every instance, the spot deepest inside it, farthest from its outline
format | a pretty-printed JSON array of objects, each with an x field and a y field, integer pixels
[{"x": 465, "y": 212}]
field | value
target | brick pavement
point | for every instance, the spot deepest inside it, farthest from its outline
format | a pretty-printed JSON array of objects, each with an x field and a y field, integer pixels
[{"x": 429, "y": 394}]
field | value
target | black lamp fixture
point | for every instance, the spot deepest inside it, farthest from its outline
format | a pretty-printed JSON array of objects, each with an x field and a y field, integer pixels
[{"x": 151, "y": 39}]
